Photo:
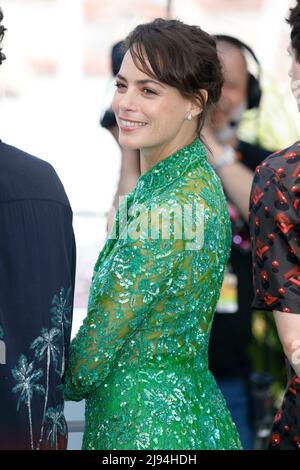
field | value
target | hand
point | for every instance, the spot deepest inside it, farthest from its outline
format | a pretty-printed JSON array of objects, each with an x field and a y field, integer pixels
[{"x": 215, "y": 148}]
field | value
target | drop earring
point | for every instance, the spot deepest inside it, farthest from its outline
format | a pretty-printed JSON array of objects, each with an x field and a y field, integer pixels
[{"x": 190, "y": 117}]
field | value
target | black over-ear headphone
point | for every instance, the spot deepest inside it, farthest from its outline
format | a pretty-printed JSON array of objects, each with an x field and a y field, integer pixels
[{"x": 254, "y": 88}]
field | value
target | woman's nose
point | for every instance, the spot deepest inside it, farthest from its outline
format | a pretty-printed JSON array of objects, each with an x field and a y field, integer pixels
[{"x": 127, "y": 101}]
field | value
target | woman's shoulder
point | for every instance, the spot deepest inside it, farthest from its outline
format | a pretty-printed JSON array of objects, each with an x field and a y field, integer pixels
[
  {"x": 197, "y": 188},
  {"x": 202, "y": 185}
]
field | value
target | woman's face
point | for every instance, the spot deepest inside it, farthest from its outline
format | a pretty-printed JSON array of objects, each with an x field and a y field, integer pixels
[{"x": 151, "y": 115}]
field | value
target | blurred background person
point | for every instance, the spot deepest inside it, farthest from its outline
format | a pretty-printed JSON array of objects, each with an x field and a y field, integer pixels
[
  {"x": 37, "y": 271},
  {"x": 235, "y": 161}
]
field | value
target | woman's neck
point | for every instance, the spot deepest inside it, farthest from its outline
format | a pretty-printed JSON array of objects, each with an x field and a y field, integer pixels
[{"x": 149, "y": 157}]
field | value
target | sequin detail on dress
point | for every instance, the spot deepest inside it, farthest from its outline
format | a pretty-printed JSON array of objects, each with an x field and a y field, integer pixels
[{"x": 141, "y": 357}]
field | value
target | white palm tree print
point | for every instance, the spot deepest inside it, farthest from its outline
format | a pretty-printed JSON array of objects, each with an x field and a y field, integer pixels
[
  {"x": 45, "y": 346},
  {"x": 27, "y": 378},
  {"x": 2, "y": 347},
  {"x": 56, "y": 424},
  {"x": 61, "y": 311}
]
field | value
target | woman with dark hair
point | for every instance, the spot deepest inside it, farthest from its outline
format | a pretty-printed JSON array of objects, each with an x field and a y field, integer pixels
[{"x": 140, "y": 358}]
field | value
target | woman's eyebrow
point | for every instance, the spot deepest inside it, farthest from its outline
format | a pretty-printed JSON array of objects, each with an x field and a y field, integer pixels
[{"x": 141, "y": 82}]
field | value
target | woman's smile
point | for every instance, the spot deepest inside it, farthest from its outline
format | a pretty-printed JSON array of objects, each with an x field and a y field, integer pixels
[{"x": 127, "y": 125}]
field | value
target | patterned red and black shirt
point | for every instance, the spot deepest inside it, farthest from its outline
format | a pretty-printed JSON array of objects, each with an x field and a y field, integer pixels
[
  {"x": 274, "y": 221},
  {"x": 275, "y": 232}
]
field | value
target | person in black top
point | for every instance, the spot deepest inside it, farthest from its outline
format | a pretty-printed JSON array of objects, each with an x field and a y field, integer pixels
[
  {"x": 235, "y": 161},
  {"x": 37, "y": 271},
  {"x": 275, "y": 229}
]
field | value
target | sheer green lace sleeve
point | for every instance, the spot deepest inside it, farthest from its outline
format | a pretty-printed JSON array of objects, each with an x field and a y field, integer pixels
[{"x": 127, "y": 285}]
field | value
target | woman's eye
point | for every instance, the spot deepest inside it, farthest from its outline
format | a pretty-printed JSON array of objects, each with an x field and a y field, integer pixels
[
  {"x": 147, "y": 91},
  {"x": 119, "y": 85}
]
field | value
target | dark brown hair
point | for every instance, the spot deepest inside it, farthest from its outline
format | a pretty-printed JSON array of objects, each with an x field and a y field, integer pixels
[
  {"x": 294, "y": 22},
  {"x": 180, "y": 55},
  {"x": 2, "y": 30}
]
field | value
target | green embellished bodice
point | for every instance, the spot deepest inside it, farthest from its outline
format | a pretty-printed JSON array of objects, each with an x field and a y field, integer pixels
[{"x": 140, "y": 359}]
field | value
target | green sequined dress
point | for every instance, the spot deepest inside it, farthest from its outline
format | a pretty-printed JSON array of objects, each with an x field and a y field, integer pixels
[{"x": 140, "y": 359}]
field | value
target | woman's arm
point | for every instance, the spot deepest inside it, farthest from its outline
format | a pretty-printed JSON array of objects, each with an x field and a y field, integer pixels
[{"x": 123, "y": 293}]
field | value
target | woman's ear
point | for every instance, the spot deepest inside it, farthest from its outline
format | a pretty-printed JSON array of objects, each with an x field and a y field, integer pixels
[
  {"x": 198, "y": 104},
  {"x": 204, "y": 94}
]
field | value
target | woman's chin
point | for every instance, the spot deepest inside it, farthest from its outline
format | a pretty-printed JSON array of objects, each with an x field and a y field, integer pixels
[{"x": 129, "y": 143}]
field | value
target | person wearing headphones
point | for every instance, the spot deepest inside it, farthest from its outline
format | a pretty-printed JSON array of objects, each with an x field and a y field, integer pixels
[{"x": 235, "y": 161}]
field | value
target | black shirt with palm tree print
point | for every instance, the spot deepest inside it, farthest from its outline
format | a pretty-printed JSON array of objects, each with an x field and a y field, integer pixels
[{"x": 37, "y": 271}]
